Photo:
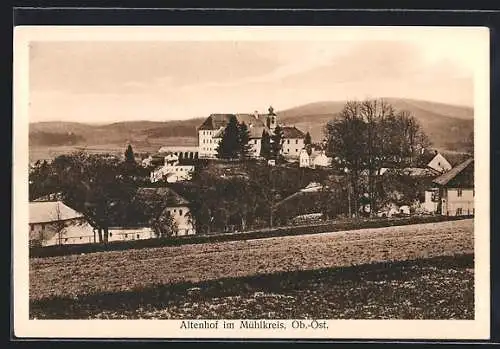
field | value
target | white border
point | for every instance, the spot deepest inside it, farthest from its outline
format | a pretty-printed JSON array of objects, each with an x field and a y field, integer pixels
[{"x": 359, "y": 329}]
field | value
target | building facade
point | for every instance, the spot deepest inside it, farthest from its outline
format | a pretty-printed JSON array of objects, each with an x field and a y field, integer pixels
[
  {"x": 456, "y": 190},
  {"x": 211, "y": 131},
  {"x": 54, "y": 223}
]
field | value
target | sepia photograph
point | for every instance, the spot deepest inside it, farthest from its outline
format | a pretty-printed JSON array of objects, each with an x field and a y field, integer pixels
[{"x": 251, "y": 182}]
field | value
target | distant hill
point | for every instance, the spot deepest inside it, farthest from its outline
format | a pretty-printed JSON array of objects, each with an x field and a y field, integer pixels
[{"x": 446, "y": 125}]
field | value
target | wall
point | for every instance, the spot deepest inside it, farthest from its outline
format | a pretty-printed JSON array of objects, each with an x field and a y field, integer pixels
[
  {"x": 181, "y": 217},
  {"x": 207, "y": 145},
  {"x": 454, "y": 203},
  {"x": 180, "y": 173},
  {"x": 74, "y": 231},
  {"x": 304, "y": 159},
  {"x": 292, "y": 146},
  {"x": 255, "y": 143},
  {"x": 430, "y": 205},
  {"x": 125, "y": 234},
  {"x": 439, "y": 163}
]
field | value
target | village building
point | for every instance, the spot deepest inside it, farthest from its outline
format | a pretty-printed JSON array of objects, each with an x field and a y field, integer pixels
[
  {"x": 453, "y": 191},
  {"x": 167, "y": 202},
  {"x": 172, "y": 170},
  {"x": 211, "y": 131},
  {"x": 130, "y": 233},
  {"x": 317, "y": 159},
  {"x": 54, "y": 223}
]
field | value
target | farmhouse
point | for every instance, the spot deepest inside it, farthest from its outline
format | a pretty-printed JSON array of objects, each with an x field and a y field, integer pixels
[
  {"x": 453, "y": 191},
  {"x": 162, "y": 201},
  {"x": 211, "y": 131},
  {"x": 54, "y": 223}
]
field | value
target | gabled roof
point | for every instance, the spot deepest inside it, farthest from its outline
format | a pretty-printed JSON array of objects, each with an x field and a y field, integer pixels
[
  {"x": 292, "y": 132},
  {"x": 169, "y": 197},
  {"x": 456, "y": 159},
  {"x": 445, "y": 178},
  {"x": 51, "y": 211}
]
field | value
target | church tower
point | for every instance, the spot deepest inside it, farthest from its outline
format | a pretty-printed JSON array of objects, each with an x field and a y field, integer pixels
[{"x": 272, "y": 119}]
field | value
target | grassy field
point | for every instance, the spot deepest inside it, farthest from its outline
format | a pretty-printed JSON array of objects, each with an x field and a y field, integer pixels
[
  {"x": 98, "y": 281},
  {"x": 436, "y": 288}
]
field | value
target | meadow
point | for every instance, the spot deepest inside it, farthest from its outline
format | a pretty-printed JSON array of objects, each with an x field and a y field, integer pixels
[{"x": 99, "y": 281}]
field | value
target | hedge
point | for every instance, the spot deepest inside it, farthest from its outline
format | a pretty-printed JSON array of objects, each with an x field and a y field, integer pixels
[{"x": 62, "y": 250}]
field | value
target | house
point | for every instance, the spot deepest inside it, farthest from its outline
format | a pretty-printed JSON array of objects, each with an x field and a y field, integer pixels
[
  {"x": 172, "y": 170},
  {"x": 212, "y": 129},
  {"x": 317, "y": 159},
  {"x": 453, "y": 191},
  {"x": 54, "y": 223},
  {"x": 293, "y": 141},
  {"x": 167, "y": 202},
  {"x": 441, "y": 162}
]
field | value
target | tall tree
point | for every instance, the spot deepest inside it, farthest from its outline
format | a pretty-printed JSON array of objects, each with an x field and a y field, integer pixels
[
  {"x": 228, "y": 147},
  {"x": 243, "y": 141},
  {"x": 307, "y": 139},
  {"x": 371, "y": 134},
  {"x": 129, "y": 155},
  {"x": 276, "y": 142},
  {"x": 93, "y": 185},
  {"x": 265, "y": 145}
]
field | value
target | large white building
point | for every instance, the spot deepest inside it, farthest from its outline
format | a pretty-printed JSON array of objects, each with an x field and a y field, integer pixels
[{"x": 211, "y": 131}]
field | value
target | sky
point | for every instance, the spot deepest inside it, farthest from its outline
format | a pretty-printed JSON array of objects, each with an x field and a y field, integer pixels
[{"x": 108, "y": 81}]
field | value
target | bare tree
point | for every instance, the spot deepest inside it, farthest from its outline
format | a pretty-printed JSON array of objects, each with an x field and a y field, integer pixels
[{"x": 59, "y": 226}]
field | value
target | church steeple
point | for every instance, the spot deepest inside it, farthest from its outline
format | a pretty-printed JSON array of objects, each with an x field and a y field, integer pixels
[{"x": 272, "y": 119}]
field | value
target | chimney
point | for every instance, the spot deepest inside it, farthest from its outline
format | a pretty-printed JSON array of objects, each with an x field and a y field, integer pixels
[{"x": 256, "y": 114}]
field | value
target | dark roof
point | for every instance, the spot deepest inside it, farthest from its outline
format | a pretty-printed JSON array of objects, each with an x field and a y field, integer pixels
[
  {"x": 169, "y": 197},
  {"x": 447, "y": 177},
  {"x": 455, "y": 159},
  {"x": 216, "y": 121},
  {"x": 292, "y": 132}
]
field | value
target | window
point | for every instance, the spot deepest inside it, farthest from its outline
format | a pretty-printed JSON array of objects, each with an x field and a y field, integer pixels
[
  {"x": 126, "y": 235},
  {"x": 288, "y": 141},
  {"x": 80, "y": 237},
  {"x": 175, "y": 210},
  {"x": 459, "y": 211},
  {"x": 459, "y": 192},
  {"x": 138, "y": 236},
  {"x": 66, "y": 240},
  {"x": 180, "y": 212},
  {"x": 296, "y": 141},
  {"x": 110, "y": 234},
  {"x": 32, "y": 227},
  {"x": 43, "y": 226}
]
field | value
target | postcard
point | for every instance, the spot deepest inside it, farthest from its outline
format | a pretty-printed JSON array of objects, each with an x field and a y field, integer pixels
[{"x": 251, "y": 182}]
